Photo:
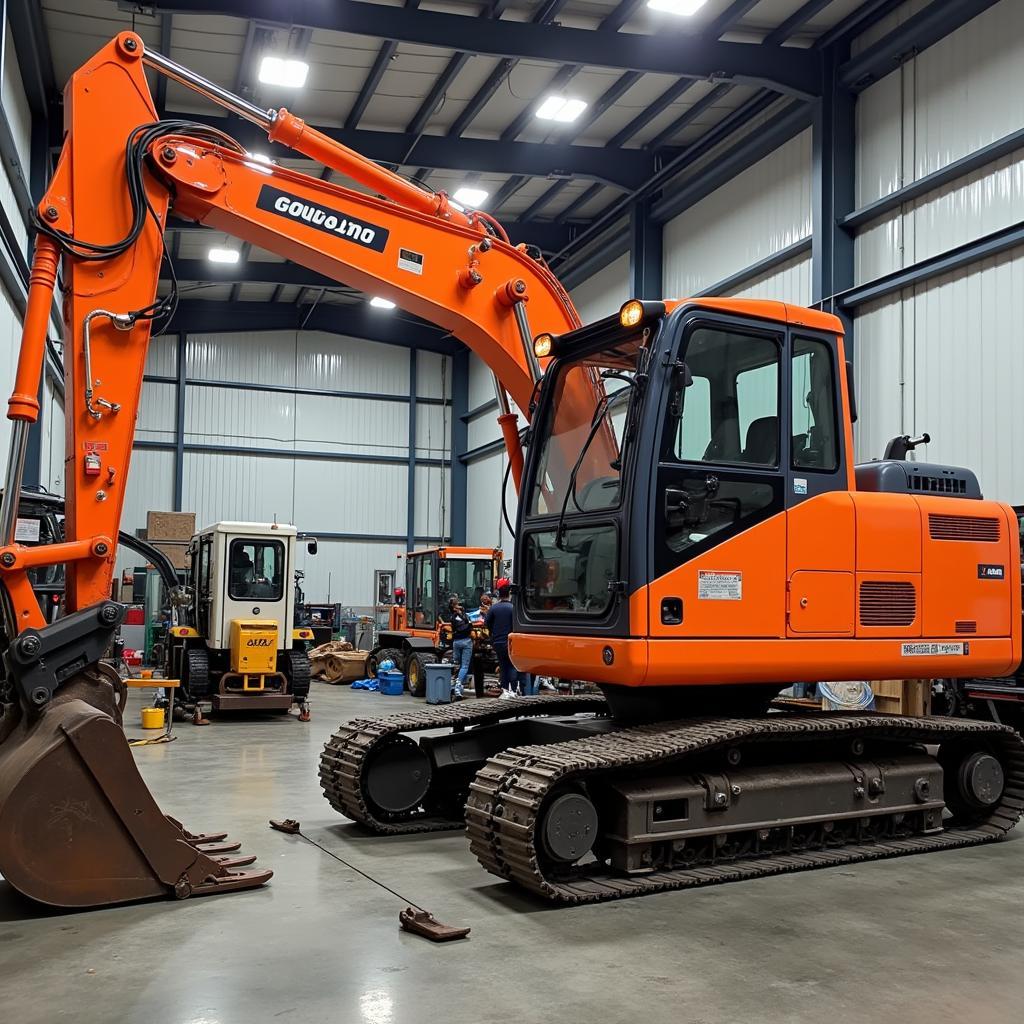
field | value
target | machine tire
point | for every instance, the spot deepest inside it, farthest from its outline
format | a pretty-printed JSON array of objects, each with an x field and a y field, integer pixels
[
  {"x": 295, "y": 665},
  {"x": 376, "y": 657},
  {"x": 196, "y": 675},
  {"x": 415, "y": 673}
]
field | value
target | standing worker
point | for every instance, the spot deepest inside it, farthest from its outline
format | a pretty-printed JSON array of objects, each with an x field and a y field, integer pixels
[
  {"x": 499, "y": 622},
  {"x": 462, "y": 642}
]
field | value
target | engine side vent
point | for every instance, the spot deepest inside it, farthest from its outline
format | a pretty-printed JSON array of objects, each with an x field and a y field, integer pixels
[
  {"x": 938, "y": 484},
  {"x": 887, "y": 603},
  {"x": 978, "y": 528},
  {"x": 966, "y": 626}
]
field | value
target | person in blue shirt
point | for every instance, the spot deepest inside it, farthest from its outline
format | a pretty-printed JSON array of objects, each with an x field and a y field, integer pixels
[
  {"x": 499, "y": 621},
  {"x": 462, "y": 642}
]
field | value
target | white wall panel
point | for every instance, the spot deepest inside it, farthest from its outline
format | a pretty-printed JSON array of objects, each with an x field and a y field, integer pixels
[
  {"x": 51, "y": 467},
  {"x": 604, "y": 292},
  {"x": 10, "y": 341},
  {"x": 433, "y": 429},
  {"x": 789, "y": 283},
  {"x": 349, "y": 497},
  {"x": 365, "y": 426},
  {"x": 433, "y": 375},
  {"x": 954, "y": 98},
  {"x": 757, "y": 213},
  {"x": 343, "y": 571},
  {"x": 150, "y": 487},
  {"x": 157, "y": 412},
  {"x": 218, "y": 487},
  {"x": 484, "y": 526},
  {"x": 481, "y": 381},
  {"x": 18, "y": 114},
  {"x": 257, "y": 419},
  {"x": 880, "y": 351},
  {"x": 433, "y": 501},
  {"x": 162, "y": 356},
  {"x": 266, "y": 357},
  {"x": 346, "y": 364}
]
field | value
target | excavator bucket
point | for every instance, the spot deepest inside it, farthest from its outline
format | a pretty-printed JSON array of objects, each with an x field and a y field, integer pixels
[{"x": 79, "y": 827}]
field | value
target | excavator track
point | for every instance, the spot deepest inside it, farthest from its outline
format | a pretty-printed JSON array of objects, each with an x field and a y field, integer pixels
[
  {"x": 510, "y": 794},
  {"x": 348, "y": 752}
]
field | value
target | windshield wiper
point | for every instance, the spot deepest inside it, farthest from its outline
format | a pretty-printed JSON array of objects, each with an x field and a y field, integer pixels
[{"x": 600, "y": 415}]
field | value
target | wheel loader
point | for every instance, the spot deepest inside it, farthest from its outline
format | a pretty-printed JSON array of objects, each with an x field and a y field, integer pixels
[
  {"x": 238, "y": 647},
  {"x": 692, "y": 536}
]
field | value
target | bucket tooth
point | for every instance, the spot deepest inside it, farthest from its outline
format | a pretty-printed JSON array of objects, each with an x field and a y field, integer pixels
[
  {"x": 211, "y": 848},
  {"x": 79, "y": 827},
  {"x": 236, "y": 862},
  {"x": 193, "y": 838}
]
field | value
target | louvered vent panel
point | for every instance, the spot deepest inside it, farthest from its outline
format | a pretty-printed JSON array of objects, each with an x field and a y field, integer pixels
[
  {"x": 938, "y": 484},
  {"x": 887, "y": 603},
  {"x": 966, "y": 626},
  {"x": 983, "y": 528}
]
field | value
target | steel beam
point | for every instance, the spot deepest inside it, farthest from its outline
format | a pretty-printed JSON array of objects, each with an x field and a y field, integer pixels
[
  {"x": 197, "y": 316},
  {"x": 30, "y": 40},
  {"x": 687, "y": 117},
  {"x": 460, "y": 442},
  {"x": 917, "y": 33},
  {"x": 794, "y": 22},
  {"x": 961, "y": 168},
  {"x": 486, "y": 156},
  {"x": 180, "y": 382},
  {"x": 926, "y": 270},
  {"x": 793, "y": 72},
  {"x": 303, "y": 454},
  {"x": 410, "y": 529},
  {"x": 833, "y": 188},
  {"x": 645, "y": 253}
]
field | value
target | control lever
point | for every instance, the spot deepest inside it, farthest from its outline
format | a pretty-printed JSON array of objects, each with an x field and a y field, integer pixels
[{"x": 898, "y": 447}]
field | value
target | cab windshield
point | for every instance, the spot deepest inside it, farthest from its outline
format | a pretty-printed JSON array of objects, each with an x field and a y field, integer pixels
[
  {"x": 581, "y": 450},
  {"x": 468, "y": 579}
]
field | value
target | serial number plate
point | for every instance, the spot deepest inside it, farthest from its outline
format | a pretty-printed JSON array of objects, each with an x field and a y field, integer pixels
[{"x": 930, "y": 650}]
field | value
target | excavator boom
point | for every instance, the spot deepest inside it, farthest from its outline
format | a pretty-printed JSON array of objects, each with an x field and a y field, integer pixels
[{"x": 78, "y": 826}]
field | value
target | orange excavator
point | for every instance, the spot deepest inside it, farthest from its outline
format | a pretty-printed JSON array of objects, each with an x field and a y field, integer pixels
[{"x": 692, "y": 536}]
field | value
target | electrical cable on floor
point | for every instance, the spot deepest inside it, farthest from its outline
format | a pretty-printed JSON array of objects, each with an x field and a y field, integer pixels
[{"x": 358, "y": 871}]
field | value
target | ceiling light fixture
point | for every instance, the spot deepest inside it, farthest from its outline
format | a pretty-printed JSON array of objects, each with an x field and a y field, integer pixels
[
  {"x": 283, "y": 71},
  {"x": 223, "y": 255},
  {"x": 686, "y": 8},
  {"x": 381, "y": 303},
  {"x": 560, "y": 108},
  {"x": 471, "y": 197}
]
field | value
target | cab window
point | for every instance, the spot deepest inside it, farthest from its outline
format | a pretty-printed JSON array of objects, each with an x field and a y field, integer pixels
[
  {"x": 815, "y": 444},
  {"x": 256, "y": 570}
]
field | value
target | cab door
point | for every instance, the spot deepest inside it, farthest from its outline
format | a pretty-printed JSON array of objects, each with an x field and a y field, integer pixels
[{"x": 718, "y": 556}]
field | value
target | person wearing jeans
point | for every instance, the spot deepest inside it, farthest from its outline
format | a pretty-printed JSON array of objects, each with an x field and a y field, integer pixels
[
  {"x": 499, "y": 622},
  {"x": 462, "y": 643}
]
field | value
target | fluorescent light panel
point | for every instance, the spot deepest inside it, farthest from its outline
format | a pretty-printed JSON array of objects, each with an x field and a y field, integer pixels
[
  {"x": 284, "y": 71},
  {"x": 381, "y": 303},
  {"x": 685, "y": 8},
  {"x": 471, "y": 197},
  {"x": 223, "y": 255},
  {"x": 560, "y": 108}
]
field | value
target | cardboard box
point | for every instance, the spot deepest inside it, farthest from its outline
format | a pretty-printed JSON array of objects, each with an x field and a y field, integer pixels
[
  {"x": 174, "y": 550},
  {"x": 176, "y": 526}
]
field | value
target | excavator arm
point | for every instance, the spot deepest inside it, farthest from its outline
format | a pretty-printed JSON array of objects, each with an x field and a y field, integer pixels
[
  {"x": 78, "y": 827},
  {"x": 122, "y": 172}
]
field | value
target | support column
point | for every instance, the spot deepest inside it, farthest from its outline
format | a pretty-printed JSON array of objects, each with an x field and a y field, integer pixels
[
  {"x": 833, "y": 189},
  {"x": 459, "y": 445},
  {"x": 410, "y": 529},
  {"x": 645, "y": 253},
  {"x": 179, "y": 422}
]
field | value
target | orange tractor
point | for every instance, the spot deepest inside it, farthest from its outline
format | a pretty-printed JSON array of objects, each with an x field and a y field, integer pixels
[
  {"x": 692, "y": 536},
  {"x": 417, "y": 633}
]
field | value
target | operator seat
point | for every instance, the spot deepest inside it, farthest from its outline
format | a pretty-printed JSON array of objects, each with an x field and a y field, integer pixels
[{"x": 762, "y": 443}]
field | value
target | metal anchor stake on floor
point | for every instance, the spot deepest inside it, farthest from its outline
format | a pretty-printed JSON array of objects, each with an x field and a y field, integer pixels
[{"x": 414, "y": 918}]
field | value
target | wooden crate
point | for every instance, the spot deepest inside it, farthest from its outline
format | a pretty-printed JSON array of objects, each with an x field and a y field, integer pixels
[
  {"x": 170, "y": 526},
  {"x": 903, "y": 696}
]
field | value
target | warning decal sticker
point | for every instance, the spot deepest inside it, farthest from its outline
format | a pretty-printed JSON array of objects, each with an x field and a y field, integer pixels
[{"x": 719, "y": 586}]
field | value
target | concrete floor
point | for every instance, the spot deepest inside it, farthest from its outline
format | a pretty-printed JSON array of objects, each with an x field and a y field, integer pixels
[{"x": 934, "y": 938}]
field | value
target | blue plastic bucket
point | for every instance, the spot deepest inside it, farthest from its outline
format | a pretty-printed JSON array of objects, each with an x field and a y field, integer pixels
[{"x": 391, "y": 683}]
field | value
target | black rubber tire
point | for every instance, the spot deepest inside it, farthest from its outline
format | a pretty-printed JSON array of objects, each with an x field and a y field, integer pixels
[
  {"x": 416, "y": 674},
  {"x": 382, "y": 654},
  {"x": 195, "y": 681},
  {"x": 295, "y": 665}
]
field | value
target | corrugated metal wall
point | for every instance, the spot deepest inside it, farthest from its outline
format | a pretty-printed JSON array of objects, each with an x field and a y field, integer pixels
[
  {"x": 318, "y": 494},
  {"x": 758, "y": 213},
  {"x": 945, "y": 357}
]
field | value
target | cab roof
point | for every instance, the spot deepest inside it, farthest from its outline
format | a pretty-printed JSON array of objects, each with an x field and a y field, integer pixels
[{"x": 251, "y": 529}]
